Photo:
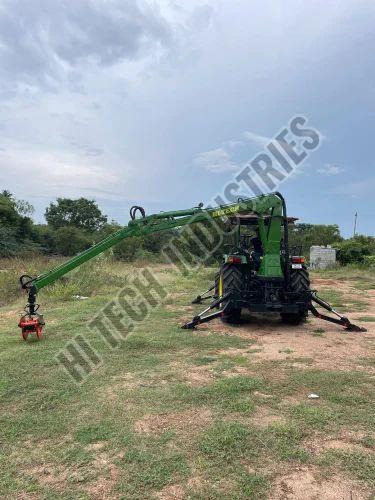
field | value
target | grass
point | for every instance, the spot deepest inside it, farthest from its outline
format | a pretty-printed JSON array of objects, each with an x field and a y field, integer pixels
[
  {"x": 358, "y": 465},
  {"x": 339, "y": 300},
  {"x": 168, "y": 408},
  {"x": 369, "y": 319},
  {"x": 318, "y": 332},
  {"x": 286, "y": 350}
]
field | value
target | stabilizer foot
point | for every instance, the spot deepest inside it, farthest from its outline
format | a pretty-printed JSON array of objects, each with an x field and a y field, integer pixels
[{"x": 340, "y": 320}]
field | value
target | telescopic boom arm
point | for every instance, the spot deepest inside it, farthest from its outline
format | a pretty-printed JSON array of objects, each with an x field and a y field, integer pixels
[
  {"x": 271, "y": 205},
  {"x": 32, "y": 322},
  {"x": 150, "y": 224}
]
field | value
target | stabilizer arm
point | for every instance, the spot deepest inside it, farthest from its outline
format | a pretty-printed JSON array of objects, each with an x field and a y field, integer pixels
[{"x": 340, "y": 320}]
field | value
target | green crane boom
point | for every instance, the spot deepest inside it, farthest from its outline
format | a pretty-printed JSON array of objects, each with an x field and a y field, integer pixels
[
  {"x": 273, "y": 277},
  {"x": 167, "y": 220}
]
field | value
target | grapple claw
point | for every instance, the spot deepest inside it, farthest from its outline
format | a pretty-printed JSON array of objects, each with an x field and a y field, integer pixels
[{"x": 31, "y": 324}]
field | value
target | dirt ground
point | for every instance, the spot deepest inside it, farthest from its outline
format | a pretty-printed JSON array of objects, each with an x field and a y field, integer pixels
[
  {"x": 328, "y": 346},
  {"x": 323, "y": 346}
]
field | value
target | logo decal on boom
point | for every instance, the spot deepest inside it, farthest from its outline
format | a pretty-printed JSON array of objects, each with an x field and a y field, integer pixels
[{"x": 225, "y": 211}]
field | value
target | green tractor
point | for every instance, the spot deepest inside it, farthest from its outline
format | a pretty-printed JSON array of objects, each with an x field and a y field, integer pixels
[
  {"x": 242, "y": 282},
  {"x": 259, "y": 274}
]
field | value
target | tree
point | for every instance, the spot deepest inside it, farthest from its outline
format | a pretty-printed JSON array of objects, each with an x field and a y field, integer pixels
[
  {"x": 17, "y": 232},
  {"x": 306, "y": 235},
  {"x": 70, "y": 241},
  {"x": 81, "y": 214}
]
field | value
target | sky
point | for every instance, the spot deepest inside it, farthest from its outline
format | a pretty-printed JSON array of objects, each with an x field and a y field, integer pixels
[{"x": 160, "y": 103}]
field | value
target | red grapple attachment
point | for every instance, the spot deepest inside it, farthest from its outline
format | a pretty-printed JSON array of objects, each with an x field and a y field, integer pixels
[{"x": 31, "y": 324}]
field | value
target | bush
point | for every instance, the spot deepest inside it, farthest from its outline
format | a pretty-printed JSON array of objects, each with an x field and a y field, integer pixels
[
  {"x": 70, "y": 241},
  {"x": 8, "y": 242},
  {"x": 128, "y": 248},
  {"x": 369, "y": 261},
  {"x": 142, "y": 247},
  {"x": 354, "y": 250},
  {"x": 46, "y": 237}
]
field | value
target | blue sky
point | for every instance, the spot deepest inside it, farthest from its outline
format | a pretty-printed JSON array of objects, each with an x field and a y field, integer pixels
[{"x": 119, "y": 101}]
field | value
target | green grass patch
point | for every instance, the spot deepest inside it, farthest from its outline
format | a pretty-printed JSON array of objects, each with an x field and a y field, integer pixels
[
  {"x": 231, "y": 441},
  {"x": 226, "y": 441},
  {"x": 313, "y": 417},
  {"x": 318, "y": 332},
  {"x": 286, "y": 350},
  {"x": 147, "y": 470},
  {"x": 253, "y": 486},
  {"x": 339, "y": 300},
  {"x": 368, "y": 319},
  {"x": 358, "y": 465}
]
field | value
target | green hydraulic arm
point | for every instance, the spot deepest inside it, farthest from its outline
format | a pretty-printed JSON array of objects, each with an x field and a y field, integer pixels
[
  {"x": 271, "y": 207},
  {"x": 271, "y": 204}
]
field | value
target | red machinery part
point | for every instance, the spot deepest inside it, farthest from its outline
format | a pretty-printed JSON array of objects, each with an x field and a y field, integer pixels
[{"x": 31, "y": 324}]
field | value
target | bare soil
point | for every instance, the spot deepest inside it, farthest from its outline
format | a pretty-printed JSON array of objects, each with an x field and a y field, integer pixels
[{"x": 324, "y": 345}]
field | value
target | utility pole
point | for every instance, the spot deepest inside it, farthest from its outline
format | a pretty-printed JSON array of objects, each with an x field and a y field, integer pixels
[{"x": 355, "y": 224}]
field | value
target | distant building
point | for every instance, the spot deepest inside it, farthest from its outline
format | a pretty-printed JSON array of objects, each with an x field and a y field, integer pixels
[{"x": 322, "y": 257}]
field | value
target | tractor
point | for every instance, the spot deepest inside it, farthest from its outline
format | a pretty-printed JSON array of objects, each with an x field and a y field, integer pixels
[{"x": 259, "y": 273}]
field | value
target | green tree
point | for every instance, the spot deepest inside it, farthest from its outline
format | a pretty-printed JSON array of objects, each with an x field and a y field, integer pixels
[
  {"x": 355, "y": 250},
  {"x": 70, "y": 241},
  {"x": 82, "y": 214},
  {"x": 16, "y": 229},
  {"x": 306, "y": 235}
]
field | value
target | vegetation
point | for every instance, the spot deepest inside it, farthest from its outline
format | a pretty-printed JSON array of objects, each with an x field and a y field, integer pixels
[
  {"x": 81, "y": 214},
  {"x": 171, "y": 413},
  {"x": 74, "y": 225}
]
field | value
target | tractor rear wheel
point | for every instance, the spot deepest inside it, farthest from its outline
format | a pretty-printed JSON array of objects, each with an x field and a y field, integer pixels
[
  {"x": 299, "y": 283},
  {"x": 231, "y": 281}
]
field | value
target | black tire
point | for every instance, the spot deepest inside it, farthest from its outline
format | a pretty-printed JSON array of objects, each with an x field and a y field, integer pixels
[
  {"x": 232, "y": 282},
  {"x": 299, "y": 280},
  {"x": 299, "y": 283}
]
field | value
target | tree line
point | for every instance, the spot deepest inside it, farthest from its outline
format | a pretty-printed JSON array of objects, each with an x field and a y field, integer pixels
[{"x": 74, "y": 225}]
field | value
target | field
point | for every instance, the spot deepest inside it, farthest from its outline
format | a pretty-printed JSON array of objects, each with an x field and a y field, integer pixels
[{"x": 218, "y": 412}]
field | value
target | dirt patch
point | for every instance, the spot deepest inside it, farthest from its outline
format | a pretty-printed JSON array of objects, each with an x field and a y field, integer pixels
[
  {"x": 345, "y": 441},
  {"x": 305, "y": 484},
  {"x": 263, "y": 417},
  {"x": 184, "y": 421},
  {"x": 96, "y": 446},
  {"x": 172, "y": 492},
  {"x": 49, "y": 475},
  {"x": 126, "y": 381},
  {"x": 101, "y": 487},
  {"x": 324, "y": 345},
  {"x": 193, "y": 375}
]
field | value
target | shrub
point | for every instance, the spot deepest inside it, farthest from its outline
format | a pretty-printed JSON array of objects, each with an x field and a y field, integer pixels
[
  {"x": 354, "y": 250},
  {"x": 70, "y": 241},
  {"x": 369, "y": 261}
]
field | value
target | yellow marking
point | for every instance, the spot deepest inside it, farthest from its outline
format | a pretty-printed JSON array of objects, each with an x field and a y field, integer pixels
[
  {"x": 225, "y": 211},
  {"x": 220, "y": 286}
]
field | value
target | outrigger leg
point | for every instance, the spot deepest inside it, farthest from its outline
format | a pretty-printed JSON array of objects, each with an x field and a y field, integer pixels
[
  {"x": 198, "y": 320},
  {"x": 340, "y": 320},
  {"x": 200, "y": 298}
]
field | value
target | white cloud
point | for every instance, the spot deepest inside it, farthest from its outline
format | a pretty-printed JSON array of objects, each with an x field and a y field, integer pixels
[
  {"x": 232, "y": 144},
  {"x": 329, "y": 169},
  {"x": 260, "y": 140},
  {"x": 45, "y": 173},
  {"x": 216, "y": 160}
]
